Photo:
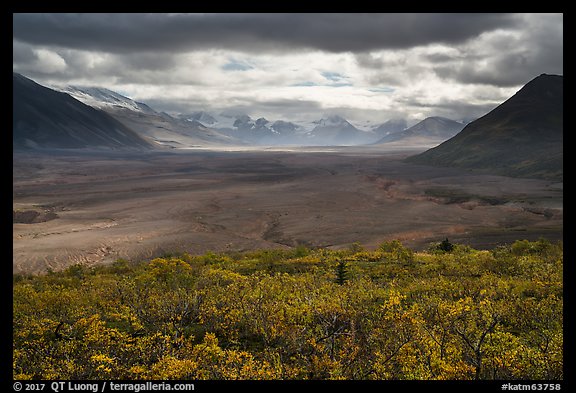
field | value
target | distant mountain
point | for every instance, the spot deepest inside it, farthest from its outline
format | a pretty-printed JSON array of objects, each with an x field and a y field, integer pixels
[
  {"x": 203, "y": 118},
  {"x": 332, "y": 130},
  {"x": 390, "y": 127},
  {"x": 253, "y": 131},
  {"x": 335, "y": 130},
  {"x": 432, "y": 129},
  {"x": 158, "y": 127},
  {"x": 284, "y": 128},
  {"x": 264, "y": 132},
  {"x": 45, "y": 118},
  {"x": 221, "y": 121},
  {"x": 522, "y": 137}
]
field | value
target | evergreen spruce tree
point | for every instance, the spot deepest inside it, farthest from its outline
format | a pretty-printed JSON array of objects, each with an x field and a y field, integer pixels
[
  {"x": 341, "y": 272},
  {"x": 446, "y": 246}
]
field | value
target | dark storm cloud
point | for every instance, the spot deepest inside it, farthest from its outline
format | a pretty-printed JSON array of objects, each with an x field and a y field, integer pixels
[
  {"x": 455, "y": 109},
  {"x": 121, "y": 33},
  {"x": 507, "y": 71},
  {"x": 141, "y": 67},
  {"x": 439, "y": 58},
  {"x": 284, "y": 65},
  {"x": 22, "y": 53},
  {"x": 511, "y": 58}
]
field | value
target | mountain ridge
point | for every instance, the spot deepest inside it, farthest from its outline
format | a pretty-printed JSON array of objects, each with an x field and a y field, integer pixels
[
  {"x": 435, "y": 128},
  {"x": 162, "y": 129},
  {"x": 103, "y": 98}
]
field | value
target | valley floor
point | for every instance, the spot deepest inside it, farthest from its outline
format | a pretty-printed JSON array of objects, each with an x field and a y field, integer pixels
[{"x": 94, "y": 208}]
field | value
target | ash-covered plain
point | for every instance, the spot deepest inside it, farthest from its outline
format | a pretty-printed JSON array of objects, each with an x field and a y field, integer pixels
[{"x": 133, "y": 205}]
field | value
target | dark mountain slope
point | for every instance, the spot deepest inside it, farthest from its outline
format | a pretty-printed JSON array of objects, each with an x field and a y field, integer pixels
[
  {"x": 522, "y": 137},
  {"x": 44, "y": 118}
]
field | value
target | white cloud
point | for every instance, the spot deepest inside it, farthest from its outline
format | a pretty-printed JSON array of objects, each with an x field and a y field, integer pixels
[
  {"x": 49, "y": 61},
  {"x": 38, "y": 59}
]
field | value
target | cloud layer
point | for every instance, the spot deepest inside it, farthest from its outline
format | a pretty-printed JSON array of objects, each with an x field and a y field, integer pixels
[
  {"x": 130, "y": 33},
  {"x": 279, "y": 65}
]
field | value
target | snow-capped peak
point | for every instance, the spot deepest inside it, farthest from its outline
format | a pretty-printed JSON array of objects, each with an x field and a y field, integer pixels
[
  {"x": 261, "y": 122},
  {"x": 244, "y": 121},
  {"x": 103, "y": 98},
  {"x": 202, "y": 117},
  {"x": 332, "y": 121}
]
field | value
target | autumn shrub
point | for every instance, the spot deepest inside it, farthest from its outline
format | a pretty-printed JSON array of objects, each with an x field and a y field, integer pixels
[{"x": 399, "y": 314}]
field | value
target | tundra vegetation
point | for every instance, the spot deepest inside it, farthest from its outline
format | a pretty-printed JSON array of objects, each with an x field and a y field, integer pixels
[{"x": 451, "y": 312}]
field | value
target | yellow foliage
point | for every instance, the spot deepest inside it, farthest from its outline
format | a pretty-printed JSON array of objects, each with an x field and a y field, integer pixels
[{"x": 280, "y": 315}]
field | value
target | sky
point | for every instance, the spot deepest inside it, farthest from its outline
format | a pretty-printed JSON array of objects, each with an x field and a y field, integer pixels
[{"x": 365, "y": 67}]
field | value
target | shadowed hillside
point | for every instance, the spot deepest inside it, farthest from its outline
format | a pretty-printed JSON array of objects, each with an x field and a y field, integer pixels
[
  {"x": 522, "y": 137},
  {"x": 44, "y": 118}
]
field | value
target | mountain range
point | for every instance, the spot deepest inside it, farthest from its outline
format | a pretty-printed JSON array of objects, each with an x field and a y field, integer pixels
[
  {"x": 521, "y": 137},
  {"x": 203, "y": 127},
  {"x": 199, "y": 129},
  {"x": 330, "y": 130},
  {"x": 161, "y": 129}
]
